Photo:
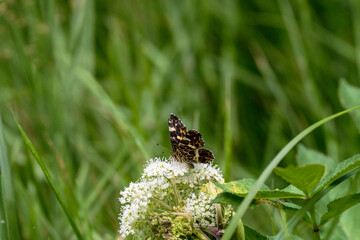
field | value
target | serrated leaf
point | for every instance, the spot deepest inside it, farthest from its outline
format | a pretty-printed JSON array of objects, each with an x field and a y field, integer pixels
[
  {"x": 241, "y": 188},
  {"x": 304, "y": 178},
  {"x": 338, "y": 206},
  {"x": 343, "y": 169},
  {"x": 227, "y": 198},
  {"x": 350, "y": 97},
  {"x": 307, "y": 156}
]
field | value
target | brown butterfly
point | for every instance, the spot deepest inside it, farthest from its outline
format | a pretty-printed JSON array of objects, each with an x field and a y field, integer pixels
[{"x": 187, "y": 146}]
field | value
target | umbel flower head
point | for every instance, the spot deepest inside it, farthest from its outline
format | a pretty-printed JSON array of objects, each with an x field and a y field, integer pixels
[{"x": 171, "y": 201}]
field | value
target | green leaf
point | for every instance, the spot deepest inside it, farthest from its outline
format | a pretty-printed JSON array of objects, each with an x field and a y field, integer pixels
[
  {"x": 307, "y": 156},
  {"x": 337, "y": 175},
  {"x": 251, "y": 234},
  {"x": 304, "y": 178},
  {"x": 293, "y": 190},
  {"x": 289, "y": 208},
  {"x": 342, "y": 170},
  {"x": 227, "y": 198},
  {"x": 349, "y": 223},
  {"x": 241, "y": 188},
  {"x": 240, "y": 231},
  {"x": 50, "y": 181},
  {"x": 277, "y": 193},
  {"x": 350, "y": 97},
  {"x": 338, "y": 206}
]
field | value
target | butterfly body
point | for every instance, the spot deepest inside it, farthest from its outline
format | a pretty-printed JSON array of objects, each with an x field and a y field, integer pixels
[{"x": 187, "y": 145}]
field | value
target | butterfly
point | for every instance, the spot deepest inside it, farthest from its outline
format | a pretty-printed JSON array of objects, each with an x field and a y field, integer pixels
[{"x": 187, "y": 146}]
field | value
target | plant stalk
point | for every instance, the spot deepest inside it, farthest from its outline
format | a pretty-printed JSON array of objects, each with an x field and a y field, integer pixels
[
  {"x": 177, "y": 196},
  {"x": 315, "y": 226},
  {"x": 162, "y": 203}
]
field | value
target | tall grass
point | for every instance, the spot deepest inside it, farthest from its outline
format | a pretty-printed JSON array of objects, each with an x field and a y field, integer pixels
[{"x": 93, "y": 83}]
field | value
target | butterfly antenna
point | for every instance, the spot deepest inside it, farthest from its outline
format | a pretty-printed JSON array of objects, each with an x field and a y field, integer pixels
[{"x": 163, "y": 148}]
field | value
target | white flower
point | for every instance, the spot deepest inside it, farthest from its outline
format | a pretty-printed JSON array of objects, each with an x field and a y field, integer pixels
[
  {"x": 169, "y": 200},
  {"x": 204, "y": 214}
]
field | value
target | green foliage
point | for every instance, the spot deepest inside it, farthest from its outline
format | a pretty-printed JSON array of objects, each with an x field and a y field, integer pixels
[
  {"x": 338, "y": 206},
  {"x": 291, "y": 209},
  {"x": 304, "y": 178},
  {"x": 341, "y": 171},
  {"x": 228, "y": 198},
  {"x": 252, "y": 234},
  {"x": 309, "y": 179},
  {"x": 241, "y": 188},
  {"x": 265, "y": 174}
]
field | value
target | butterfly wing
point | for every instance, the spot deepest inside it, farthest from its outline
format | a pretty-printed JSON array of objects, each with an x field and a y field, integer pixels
[
  {"x": 196, "y": 142},
  {"x": 195, "y": 138},
  {"x": 177, "y": 131},
  {"x": 184, "y": 153},
  {"x": 205, "y": 156},
  {"x": 187, "y": 146}
]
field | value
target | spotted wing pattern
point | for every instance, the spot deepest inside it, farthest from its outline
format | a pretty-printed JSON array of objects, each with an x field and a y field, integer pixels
[{"x": 187, "y": 146}]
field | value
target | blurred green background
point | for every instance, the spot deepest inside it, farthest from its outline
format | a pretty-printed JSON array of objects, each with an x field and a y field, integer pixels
[{"x": 93, "y": 84}]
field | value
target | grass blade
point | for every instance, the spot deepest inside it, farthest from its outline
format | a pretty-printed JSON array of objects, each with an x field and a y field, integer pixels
[
  {"x": 228, "y": 76},
  {"x": 268, "y": 170},
  {"x": 50, "y": 180},
  {"x": 355, "y": 6},
  {"x": 9, "y": 230},
  {"x": 113, "y": 111}
]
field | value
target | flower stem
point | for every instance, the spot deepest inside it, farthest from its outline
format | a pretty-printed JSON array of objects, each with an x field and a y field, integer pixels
[
  {"x": 201, "y": 234},
  {"x": 315, "y": 227},
  {"x": 162, "y": 203},
  {"x": 186, "y": 215},
  {"x": 177, "y": 196},
  {"x": 219, "y": 219}
]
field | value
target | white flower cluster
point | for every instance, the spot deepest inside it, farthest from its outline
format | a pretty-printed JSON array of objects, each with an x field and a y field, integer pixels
[
  {"x": 204, "y": 214},
  {"x": 166, "y": 185}
]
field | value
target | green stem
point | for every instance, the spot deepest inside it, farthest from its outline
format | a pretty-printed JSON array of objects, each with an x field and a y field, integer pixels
[
  {"x": 315, "y": 227},
  {"x": 185, "y": 215},
  {"x": 201, "y": 234},
  {"x": 219, "y": 219},
  {"x": 177, "y": 196},
  {"x": 162, "y": 203}
]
